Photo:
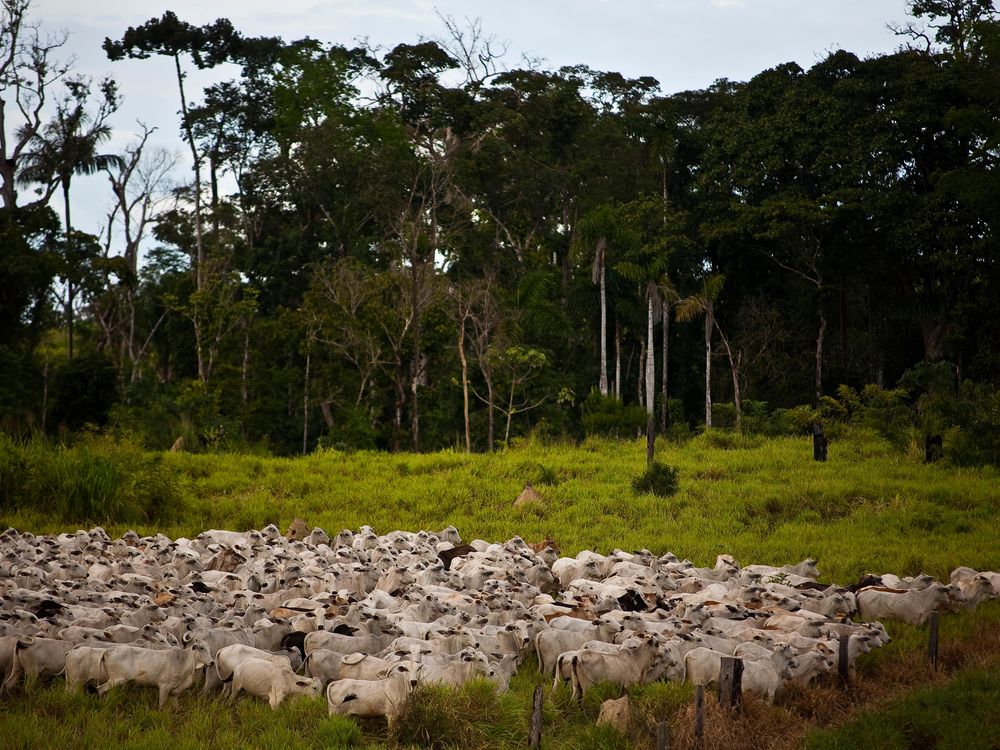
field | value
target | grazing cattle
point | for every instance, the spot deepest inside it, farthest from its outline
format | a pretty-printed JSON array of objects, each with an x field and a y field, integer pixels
[
  {"x": 550, "y": 643},
  {"x": 171, "y": 671},
  {"x": 8, "y": 643},
  {"x": 351, "y": 666},
  {"x": 38, "y": 659},
  {"x": 275, "y": 682},
  {"x": 455, "y": 674},
  {"x": 346, "y": 644},
  {"x": 358, "y": 592},
  {"x": 762, "y": 678},
  {"x": 229, "y": 657},
  {"x": 370, "y": 698},
  {"x": 626, "y": 667},
  {"x": 84, "y": 666},
  {"x": 912, "y": 606}
]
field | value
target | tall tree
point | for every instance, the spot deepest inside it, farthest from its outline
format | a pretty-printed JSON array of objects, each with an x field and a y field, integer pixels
[
  {"x": 598, "y": 232},
  {"x": 207, "y": 46},
  {"x": 27, "y": 72},
  {"x": 701, "y": 304},
  {"x": 65, "y": 147}
]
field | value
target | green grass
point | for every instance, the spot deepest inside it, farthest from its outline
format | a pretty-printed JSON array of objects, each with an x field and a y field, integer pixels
[
  {"x": 962, "y": 715},
  {"x": 869, "y": 508}
]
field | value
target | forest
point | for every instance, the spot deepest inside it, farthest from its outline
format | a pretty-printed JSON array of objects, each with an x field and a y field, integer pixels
[{"x": 431, "y": 246}]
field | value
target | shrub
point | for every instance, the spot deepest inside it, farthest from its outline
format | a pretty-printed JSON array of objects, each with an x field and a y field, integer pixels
[
  {"x": 659, "y": 479},
  {"x": 96, "y": 481},
  {"x": 723, "y": 415},
  {"x": 608, "y": 416}
]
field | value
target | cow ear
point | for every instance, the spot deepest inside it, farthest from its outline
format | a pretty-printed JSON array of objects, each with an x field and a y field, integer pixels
[{"x": 187, "y": 637}]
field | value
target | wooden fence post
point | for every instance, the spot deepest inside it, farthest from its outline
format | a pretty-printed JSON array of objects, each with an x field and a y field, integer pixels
[
  {"x": 844, "y": 663},
  {"x": 535, "y": 734},
  {"x": 730, "y": 681},
  {"x": 699, "y": 716},
  {"x": 663, "y": 735},
  {"x": 932, "y": 643}
]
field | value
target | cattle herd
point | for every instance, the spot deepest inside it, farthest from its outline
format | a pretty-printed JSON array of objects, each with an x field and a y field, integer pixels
[{"x": 363, "y": 618}]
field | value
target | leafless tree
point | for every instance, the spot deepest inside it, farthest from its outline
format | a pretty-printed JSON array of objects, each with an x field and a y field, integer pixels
[{"x": 27, "y": 72}]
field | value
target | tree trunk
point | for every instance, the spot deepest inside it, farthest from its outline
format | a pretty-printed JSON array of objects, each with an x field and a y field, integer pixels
[
  {"x": 68, "y": 255},
  {"x": 819, "y": 356},
  {"x": 650, "y": 384},
  {"x": 465, "y": 385},
  {"x": 666, "y": 360},
  {"x": 932, "y": 332},
  {"x": 245, "y": 377},
  {"x": 490, "y": 415},
  {"x": 418, "y": 363},
  {"x": 199, "y": 271},
  {"x": 734, "y": 368},
  {"x": 305, "y": 406},
  {"x": 709, "y": 323},
  {"x": 640, "y": 381},
  {"x": 510, "y": 412},
  {"x": 618, "y": 358},
  {"x": 604, "y": 335}
]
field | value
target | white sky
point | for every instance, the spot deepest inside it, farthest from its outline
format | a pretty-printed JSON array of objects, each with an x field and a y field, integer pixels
[{"x": 684, "y": 44}]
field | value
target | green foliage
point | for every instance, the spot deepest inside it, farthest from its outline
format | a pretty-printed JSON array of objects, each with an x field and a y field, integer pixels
[
  {"x": 609, "y": 416},
  {"x": 964, "y": 713},
  {"x": 659, "y": 479},
  {"x": 84, "y": 391},
  {"x": 336, "y": 732},
  {"x": 97, "y": 481},
  {"x": 723, "y": 415}
]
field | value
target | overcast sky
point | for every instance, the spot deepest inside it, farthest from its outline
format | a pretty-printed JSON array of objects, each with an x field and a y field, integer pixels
[{"x": 684, "y": 44}]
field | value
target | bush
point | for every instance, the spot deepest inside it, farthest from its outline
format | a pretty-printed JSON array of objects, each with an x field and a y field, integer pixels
[
  {"x": 659, "y": 479},
  {"x": 723, "y": 415},
  {"x": 608, "y": 416},
  {"x": 96, "y": 481}
]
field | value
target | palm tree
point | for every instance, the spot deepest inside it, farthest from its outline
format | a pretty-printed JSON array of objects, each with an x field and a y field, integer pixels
[
  {"x": 696, "y": 306},
  {"x": 65, "y": 147},
  {"x": 596, "y": 233}
]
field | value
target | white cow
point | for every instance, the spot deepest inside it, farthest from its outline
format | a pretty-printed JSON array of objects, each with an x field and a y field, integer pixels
[
  {"x": 627, "y": 667},
  {"x": 275, "y": 682},
  {"x": 910, "y": 605},
  {"x": 369, "y": 698},
  {"x": 171, "y": 670},
  {"x": 230, "y": 657},
  {"x": 554, "y": 641}
]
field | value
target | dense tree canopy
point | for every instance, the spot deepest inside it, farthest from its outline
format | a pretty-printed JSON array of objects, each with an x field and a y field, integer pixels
[{"x": 427, "y": 248}]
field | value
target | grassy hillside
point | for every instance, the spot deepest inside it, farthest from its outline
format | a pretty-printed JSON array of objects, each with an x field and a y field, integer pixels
[{"x": 869, "y": 508}]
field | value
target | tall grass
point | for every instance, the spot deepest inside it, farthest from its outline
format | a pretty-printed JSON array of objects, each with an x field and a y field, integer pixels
[{"x": 97, "y": 481}]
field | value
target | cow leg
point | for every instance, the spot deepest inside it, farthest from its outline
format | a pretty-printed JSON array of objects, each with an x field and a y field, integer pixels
[{"x": 103, "y": 689}]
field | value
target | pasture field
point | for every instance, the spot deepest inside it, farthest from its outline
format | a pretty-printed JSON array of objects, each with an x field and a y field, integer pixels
[{"x": 870, "y": 508}]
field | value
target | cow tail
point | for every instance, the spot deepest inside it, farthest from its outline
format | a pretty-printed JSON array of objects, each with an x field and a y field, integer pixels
[
  {"x": 102, "y": 669},
  {"x": 575, "y": 677}
]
